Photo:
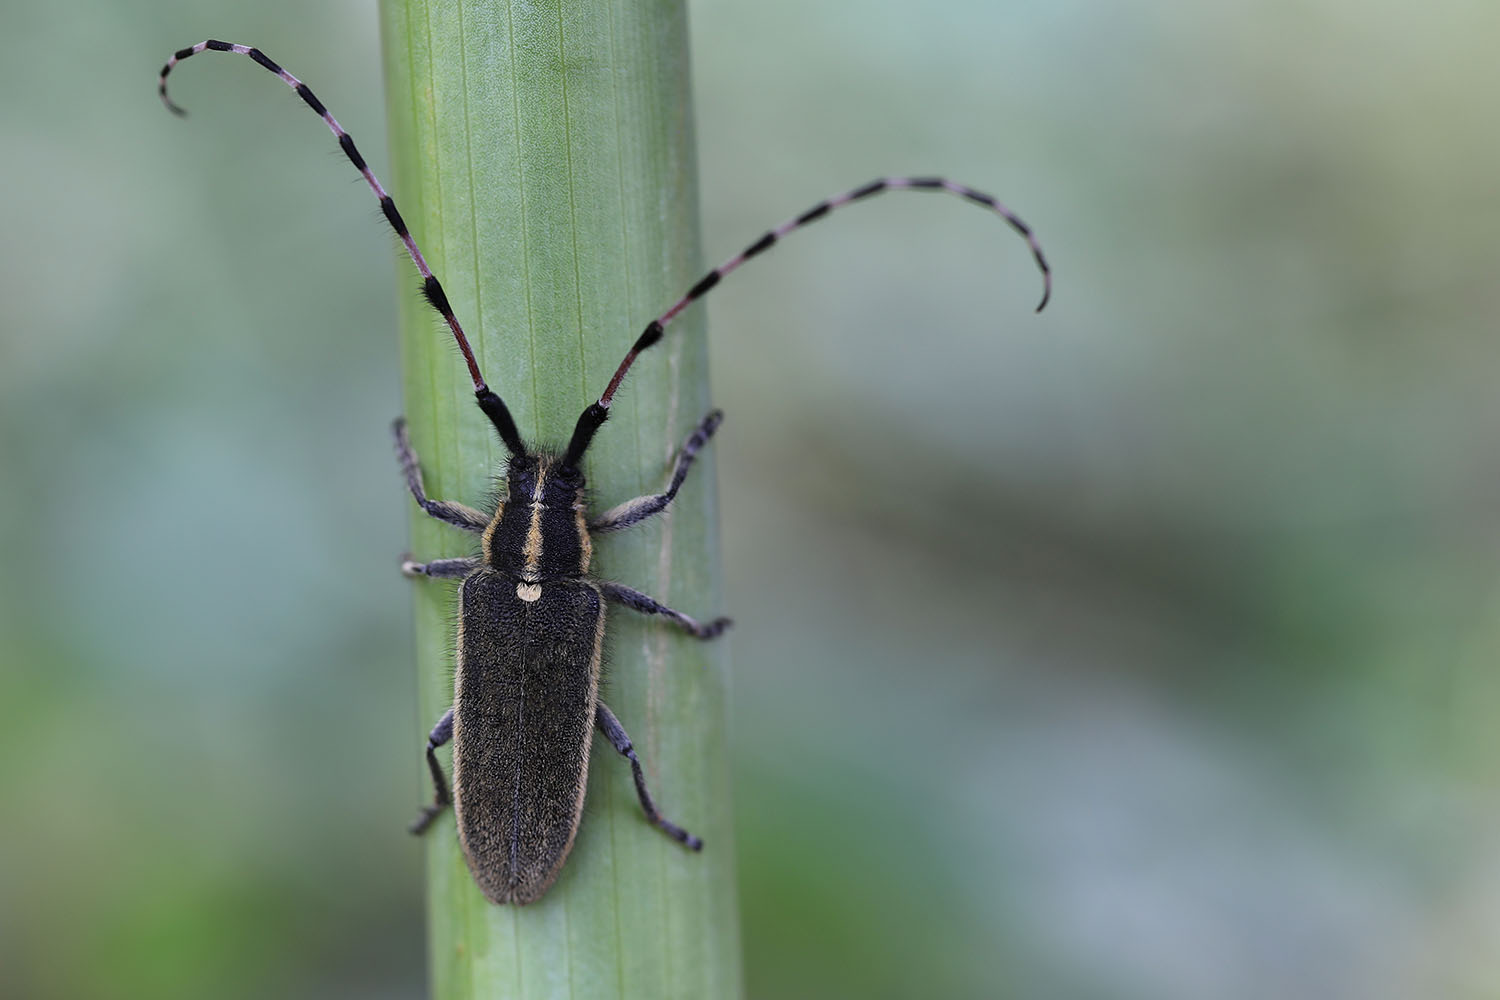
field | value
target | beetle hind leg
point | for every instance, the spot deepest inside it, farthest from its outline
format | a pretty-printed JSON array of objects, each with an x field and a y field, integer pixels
[
  {"x": 620, "y": 740},
  {"x": 441, "y": 733}
]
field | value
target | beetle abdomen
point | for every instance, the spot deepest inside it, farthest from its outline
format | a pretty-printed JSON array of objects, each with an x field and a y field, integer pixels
[{"x": 523, "y": 719}]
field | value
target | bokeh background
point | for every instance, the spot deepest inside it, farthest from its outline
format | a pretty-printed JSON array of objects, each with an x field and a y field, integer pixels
[{"x": 1145, "y": 648}]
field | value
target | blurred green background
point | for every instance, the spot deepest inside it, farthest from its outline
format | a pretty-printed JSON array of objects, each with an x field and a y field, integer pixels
[{"x": 1142, "y": 649}]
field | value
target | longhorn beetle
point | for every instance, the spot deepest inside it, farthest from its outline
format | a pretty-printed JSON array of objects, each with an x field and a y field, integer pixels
[{"x": 530, "y": 615}]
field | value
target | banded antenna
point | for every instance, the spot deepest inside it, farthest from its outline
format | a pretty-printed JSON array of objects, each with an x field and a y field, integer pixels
[{"x": 595, "y": 415}]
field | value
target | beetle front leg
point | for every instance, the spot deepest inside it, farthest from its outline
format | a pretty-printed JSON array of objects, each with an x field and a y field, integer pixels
[
  {"x": 447, "y": 511},
  {"x": 637, "y": 510},
  {"x": 648, "y": 605},
  {"x": 620, "y": 740},
  {"x": 441, "y": 733}
]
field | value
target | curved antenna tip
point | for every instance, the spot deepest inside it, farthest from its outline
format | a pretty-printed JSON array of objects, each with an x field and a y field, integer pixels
[{"x": 1046, "y": 293}]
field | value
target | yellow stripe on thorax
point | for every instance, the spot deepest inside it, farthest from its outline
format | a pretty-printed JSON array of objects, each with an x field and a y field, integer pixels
[{"x": 533, "y": 551}]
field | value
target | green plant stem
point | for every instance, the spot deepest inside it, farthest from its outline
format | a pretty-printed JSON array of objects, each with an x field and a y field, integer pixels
[{"x": 543, "y": 157}]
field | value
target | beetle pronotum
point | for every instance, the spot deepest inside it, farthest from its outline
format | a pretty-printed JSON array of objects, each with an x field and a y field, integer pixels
[{"x": 531, "y": 616}]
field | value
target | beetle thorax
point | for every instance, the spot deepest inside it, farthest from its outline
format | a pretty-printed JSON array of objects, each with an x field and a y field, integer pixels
[{"x": 540, "y": 529}]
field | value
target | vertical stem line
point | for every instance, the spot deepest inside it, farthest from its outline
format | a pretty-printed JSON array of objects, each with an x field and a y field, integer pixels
[{"x": 553, "y": 142}]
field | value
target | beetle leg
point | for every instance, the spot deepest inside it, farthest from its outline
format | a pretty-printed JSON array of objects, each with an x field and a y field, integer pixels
[
  {"x": 648, "y": 605},
  {"x": 637, "y": 510},
  {"x": 441, "y": 569},
  {"x": 441, "y": 733},
  {"x": 455, "y": 514},
  {"x": 620, "y": 740}
]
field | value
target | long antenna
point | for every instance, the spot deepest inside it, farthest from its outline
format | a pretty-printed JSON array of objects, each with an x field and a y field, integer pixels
[
  {"x": 655, "y": 328},
  {"x": 432, "y": 289}
]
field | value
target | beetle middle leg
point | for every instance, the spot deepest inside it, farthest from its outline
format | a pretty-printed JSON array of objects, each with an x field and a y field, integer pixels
[
  {"x": 637, "y": 510},
  {"x": 441, "y": 733},
  {"x": 648, "y": 605},
  {"x": 441, "y": 569},
  {"x": 620, "y": 740}
]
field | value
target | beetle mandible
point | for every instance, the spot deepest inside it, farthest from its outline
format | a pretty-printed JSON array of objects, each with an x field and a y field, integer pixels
[{"x": 530, "y": 615}]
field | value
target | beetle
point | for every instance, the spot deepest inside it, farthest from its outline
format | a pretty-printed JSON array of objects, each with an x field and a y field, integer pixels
[{"x": 531, "y": 616}]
